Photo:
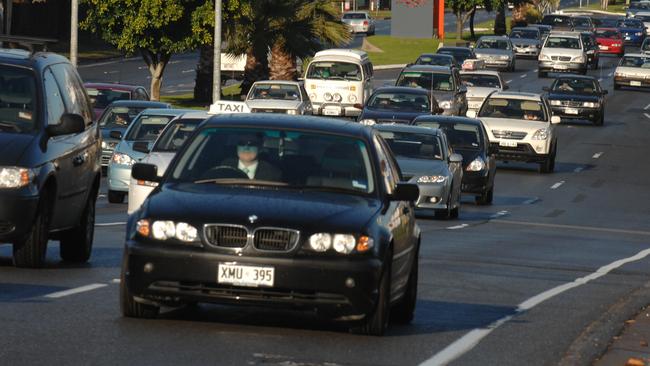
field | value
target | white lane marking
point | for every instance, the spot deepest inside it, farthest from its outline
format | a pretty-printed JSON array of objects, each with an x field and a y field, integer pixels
[
  {"x": 461, "y": 226},
  {"x": 101, "y": 196},
  {"x": 111, "y": 72},
  {"x": 143, "y": 67},
  {"x": 647, "y": 115},
  {"x": 499, "y": 214},
  {"x": 471, "y": 339},
  {"x": 557, "y": 185},
  {"x": 610, "y": 74},
  {"x": 523, "y": 76},
  {"x": 531, "y": 201},
  {"x": 597, "y": 155},
  {"x": 115, "y": 280},
  {"x": 535, "y": 70},
  {"x": 187, "y": 71},
  {"x": 574, "y": 227},
  {"x": 72, "y": 291},
  {"x": 579, "y": 169},
  {"x": 508, "y": 81},
  {"x": 600, "y": 80},
  {"x": 646, "y": 107},
  {"x": 110, "y": 224}
]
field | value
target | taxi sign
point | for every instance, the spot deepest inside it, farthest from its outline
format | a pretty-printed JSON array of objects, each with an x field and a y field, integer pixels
[{"x": 227, "y": 106}]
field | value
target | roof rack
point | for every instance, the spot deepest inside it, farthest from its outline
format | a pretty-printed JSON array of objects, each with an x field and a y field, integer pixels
[{"x": 27, "y": 43}]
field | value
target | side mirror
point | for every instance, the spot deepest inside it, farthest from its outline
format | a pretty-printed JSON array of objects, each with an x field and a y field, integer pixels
[
  {"x": 546, "y": 89},
  {"x": 555, "y": 120},
  {"x": 455, "y": 158},
  {"x": 141, "y": 146},
  {"x": 116, "y": 135},
  {"x": 146, "y": 172},
  {"x": 471, "y": 114},
  {"x": 68, "y": 124},
  {"x": 358, "y": 106},
  {"x": 405, "y": 192}
]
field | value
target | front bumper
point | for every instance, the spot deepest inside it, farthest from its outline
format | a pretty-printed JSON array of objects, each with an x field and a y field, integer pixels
[
  {"x": 437, "y": 191},
  {"x": 633, "y": 40},
  {"x": 636, "y": 82},
  {"x": 577, "y": 112},
  {"x": 119, "y": 177},
  {"x": 524, "y": 152},
  {"x": 610, "y": 50},
  {"x": 359, "y": 28},
  {"x": 17, "y": 212},
  {"x": 527, "y": 51},
  {"x": 335, "y": 109},
  {"x": 185, "y": 274},
  {"x": 557, "y": 66},
  {"x": 475, "y": 182},
  {"x": 489, "y": 62}
]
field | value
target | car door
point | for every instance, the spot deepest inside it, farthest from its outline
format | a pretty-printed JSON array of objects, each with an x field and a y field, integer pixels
[
  {"x": 399, "y": 218},
  {"x": 367, "y": 83}
]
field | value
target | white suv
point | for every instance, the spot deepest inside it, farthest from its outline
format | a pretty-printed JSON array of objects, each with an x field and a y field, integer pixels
[
  {"x": 562, "y": 52},
  {"x": 520, "y": 125}
]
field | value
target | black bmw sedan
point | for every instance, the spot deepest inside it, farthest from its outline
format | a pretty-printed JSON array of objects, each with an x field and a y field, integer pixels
[
  {"x": 468, "y": 137},
  {"x": 295, "y": 211},
  {"x": 578, "y": 97},
  {"x": 397, "y": 104}
]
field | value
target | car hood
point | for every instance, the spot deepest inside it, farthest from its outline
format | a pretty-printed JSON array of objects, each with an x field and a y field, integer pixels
[
  {"x": 159, "y": 159},
  {"x": 630, "y": 30},
  {"x": 525, "y": 41},
  {"x": 513, "y": 124},
  {"x": 491, "y": 51},
  {"x": 562, "y": 52},
  {"x": 479, "y": 91},
  {"x": 573, "y": 96},
  {"x": 608, "y": 41},
  {"x": 634, "y": 71},
  {"x": 418, "y": 167},
  {"x": 400, "y": 116},
  {"x": 12, "y": 147},
  {"x": 300, "y": 210},
  {"x": 274, "y": 104},
  {"x": 126, "y": 147}
]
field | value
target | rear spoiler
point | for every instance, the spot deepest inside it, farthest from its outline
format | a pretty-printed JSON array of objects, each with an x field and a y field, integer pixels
[{"x": 26, "y": 43}]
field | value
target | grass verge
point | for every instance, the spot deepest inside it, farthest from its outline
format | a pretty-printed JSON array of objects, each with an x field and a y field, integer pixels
[
  {"x": 399, "y": 50},
  {"x": 187, "y": 100}
]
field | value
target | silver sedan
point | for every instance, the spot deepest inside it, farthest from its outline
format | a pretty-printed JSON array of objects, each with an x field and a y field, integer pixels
[
  {"x": 359, "y": 22},
  {"x": 496, "y": 51}
]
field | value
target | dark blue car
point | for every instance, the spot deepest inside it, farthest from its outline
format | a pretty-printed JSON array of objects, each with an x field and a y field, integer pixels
[
  {"x": 397, "y": 104},
  {"x": 633, "y": 31}
]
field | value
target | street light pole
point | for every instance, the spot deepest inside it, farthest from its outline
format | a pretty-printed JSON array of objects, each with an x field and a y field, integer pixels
[
  {"x": 216, "y": 71},
  {"x": 74, "y": 39}
]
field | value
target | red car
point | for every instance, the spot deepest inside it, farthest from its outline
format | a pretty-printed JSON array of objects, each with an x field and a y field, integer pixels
[
  {"x": 610, "y": 41},
  {"x": 103, "y": 94}
]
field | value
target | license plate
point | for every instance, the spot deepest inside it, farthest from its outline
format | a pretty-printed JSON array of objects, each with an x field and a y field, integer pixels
[
  {"x": 508, "y": 143},
  {"x": 332, "y": 111},
  {"x": 561, "y": 67},
  {"x": 604, "y": 48},
  {"x": 635, "y": 83},
  {"x": 571, "y": 111},
  {"x": 475, "y": 105},
  {"x": 250, "y": 276}
]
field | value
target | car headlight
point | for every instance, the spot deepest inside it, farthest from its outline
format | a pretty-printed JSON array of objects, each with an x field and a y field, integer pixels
[
  {"x": 368, "y": 122},
  {"x": 432, "y": 179},
  {"x": 476, "y": 165},
  {"x": 15, "y": 177},
  {"x": 352, "y": 98},
  {"x": 341, "y": 243},
  {"x": 122, "y": 159},
  {"x": 337, "y": 97},
  {"x": 591, "y": 104},
  {"x": 638, "y": 34},
  {"x": 580, "y": 58},
  {"x": 165, "y": 230},
  {"x": 327, "y": 97},
  {"x": 104, "y": 145},
  {"x": 504, "y": 57},
  {"x": 292, "y": 111},
  {"x": 555, "y": 102},
  {"x": 543, "y": 57},
  {"x": 445, "y": 104},
  {"x": 541, "y": 134}
]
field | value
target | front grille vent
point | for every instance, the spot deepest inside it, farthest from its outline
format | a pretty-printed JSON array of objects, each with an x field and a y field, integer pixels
[{"x": 228, "y": 236}]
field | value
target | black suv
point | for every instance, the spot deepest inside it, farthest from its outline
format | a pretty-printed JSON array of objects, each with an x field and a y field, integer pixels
[{"x": 49, "y": 157}]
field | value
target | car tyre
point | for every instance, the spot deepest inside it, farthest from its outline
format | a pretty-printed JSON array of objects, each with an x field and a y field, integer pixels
[
  {"x": 455, "y": 212},
  {"x": 116, "y": 197},
  {"x": 377, "y": 322},
  {"x": 486, "y": 197},
  {"x": 600, "y": 121},
  {"x": 76, "y": 245},
  {"x": 548, "y": 166},
  {"x": 131, "y": 308},
  {"x": 445, "y": 213},
  {"x": 30, "y": 252},
  {"x": 617, "y": 86},
  {"x": 404, "y": 311}
]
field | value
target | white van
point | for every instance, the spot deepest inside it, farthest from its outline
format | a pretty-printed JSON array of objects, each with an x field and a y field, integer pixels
[{"x": 336, "y": 80}]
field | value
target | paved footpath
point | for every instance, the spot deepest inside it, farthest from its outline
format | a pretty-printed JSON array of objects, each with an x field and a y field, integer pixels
[{"x": 631, "y": 347}]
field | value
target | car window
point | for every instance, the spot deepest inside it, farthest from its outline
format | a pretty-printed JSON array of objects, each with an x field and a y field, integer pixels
[
  {"x": 520, "y": 109},
  {"x": 562, "y": 42},
  {"x": 480, "y": 80},
  {"x": 101, "y": 98},
  {"x": 459, "y": 54},
  {"x": 460, "y": 136},
  {"x": 413, "y": 145},
  {"x": 17, "y": 100},
  {"x": 524, "y": 33},
  {"x": 436, "y": 60},
  {"x": 354, "y": 16},
  {"x": 608, "y": 34},
  {"x": 635, "y": 61},
  {"x": 334, "y": 70},
  {"x": 400, "y": 102},
  {"x": 426, "y": 80},
  {"x": 630, "y": 23},
  {"x": 499, "y": 44},
  {"x": 565, "y": 84},
  {"x": 263, "y": 156},
  {"x": 176, "y": 134},
  {"x": 269, "y": 91},
  {"x": 119, "y": 117},
  {"x": 73, "y": 91},
  {"x": 147, "y": 127},
  {"x": 388, "y": 173}
]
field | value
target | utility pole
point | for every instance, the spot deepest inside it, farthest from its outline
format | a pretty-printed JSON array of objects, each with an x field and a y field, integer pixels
[
  {"x": 74, "y": 26},
  {"x": 216, "y": 71}
]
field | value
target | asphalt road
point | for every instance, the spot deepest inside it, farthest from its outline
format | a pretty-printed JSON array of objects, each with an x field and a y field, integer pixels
[{"x": 527, "y": 280}]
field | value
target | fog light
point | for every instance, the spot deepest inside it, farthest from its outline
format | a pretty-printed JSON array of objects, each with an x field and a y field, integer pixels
[
  {"x": 433, "y": 199},
  {"x": 539, "y": 148},
  {"x": 349, "y": 283},
  {"x": 148, "y": 268}
]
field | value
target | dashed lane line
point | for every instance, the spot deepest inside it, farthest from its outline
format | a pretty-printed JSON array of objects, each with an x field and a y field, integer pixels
[
  {"x": 531, "y": 201},
  {"x": 461, "y": 226},
  {"x": 597, "y": 155},
  {"x": 508, "y": 81},
  {"x": 647, "y": 115},
  {"x": 557, "y": 185},
  {"x": 187, "y": 71},
  {"x": 467, "y": 342},
  {"x": 610, "y": 74},
  {"x": 115, "y": 280},
  {"x": 574, "y": 227},
  {"x": 579, "y": 169},
  {"x": 646, "y": 107},
  {"x": 499, "y": 214},
  {"x": 523, "y": 76},
  {"x": 535, "y": 71},
  {"x": 72, "y": 291}
]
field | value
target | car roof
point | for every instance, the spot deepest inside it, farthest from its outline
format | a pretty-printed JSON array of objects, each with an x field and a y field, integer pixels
[
  {"x": 195, "y": 115},
  {"x": 113, "y": 86},
  {"x": 356, "y": 55},
  {"x": 576, "y": 76},
  {"x": 480, "y": 72},
  {"x": 283, "y": 121},
  {"x": 493, "y": 37},
  {"x": 448, "y": 119},
  {"x": 31, "y": 60},
  {"x": 436, "y": 55},
  {"x": 452, "y": 48},
  {"x": 286, "y": 82},
  {"x": 644, "y": 13},
  {"x": 523, "y": 28},
  {"x": 401, "y": 89},
  {"x": 517, "y": 95},
  {"x": 428, "y": 68},
  {"x": 138, "y": 103},
  {"x": 164, "y": 112},
  {"x": 564, "y": 34},
  {"x": 407, "y": 129}
]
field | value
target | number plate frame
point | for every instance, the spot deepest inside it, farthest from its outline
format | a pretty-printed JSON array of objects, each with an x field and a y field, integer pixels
[
  {"x": 635, "y": 83},
  {"x": 245, "y": 275},
  {"x": 571, "y": 111},
  {"x": 508, "y": 143},
  {"x": 332, "y": 111}
]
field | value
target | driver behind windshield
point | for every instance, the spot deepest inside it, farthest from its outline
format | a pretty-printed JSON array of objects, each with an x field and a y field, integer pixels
[{"x": 247, "y": 160}]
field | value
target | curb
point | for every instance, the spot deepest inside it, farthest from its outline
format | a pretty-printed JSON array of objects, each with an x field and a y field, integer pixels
[
  {"x": 389, "y": 67},
  {"x": 592, "y": 11}
]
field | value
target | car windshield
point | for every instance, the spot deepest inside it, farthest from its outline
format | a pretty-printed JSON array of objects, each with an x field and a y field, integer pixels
[
  {"x": 274, "y": 92},
  {"x": 459, "y": 54},
  {"x": 581, "y": 22},
  {"x": 643, "y": 18},
  {"x": 269, "y": 157},
  {"x": 635, "y": 61},
  {"x": 413, "y": 145},
  {"x": 574, "y": 85},
  {"x": 499, "y": 44},
  {"x": 630, "y": 23},
  {"x": 562, "y": 42},
  {"x": 460, "y": 136},
  {"x": 354, "y": 16},
  {"x": 436, "y": 60},
  {"x": 334, "y": 70},
  {"x": 175, "y": 134},
  {"x": 642, "y": 5},
  {"x": 400, "y": 102},
  {"x": 17, "y": 100},
  {"x": 521, "y": 109},
  {"x": 480, "y": 80},
  {"x": 426, "y": 80},
  {"x": 117, "y": 117},
  {"x": 524, "y": 33},
  {"x": 147, "y": 127},
  {"x": 101, "y": 98},
  {"x": 612, "y": 34},
  {"x": 606, "y": 22}
]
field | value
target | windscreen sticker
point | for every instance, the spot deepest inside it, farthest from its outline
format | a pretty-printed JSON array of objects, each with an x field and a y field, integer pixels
[
  {"x": 360, "y": 185},
  {"x": 25, "y": 115}
]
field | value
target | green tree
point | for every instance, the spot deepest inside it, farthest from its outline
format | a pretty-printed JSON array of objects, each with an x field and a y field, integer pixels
[
  {"x": 465, "y": 10},
  {"x": 155, "y": 28}
]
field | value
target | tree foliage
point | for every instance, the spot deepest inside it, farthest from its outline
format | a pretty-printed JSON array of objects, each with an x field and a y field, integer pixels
[{"x": 464, "y": 10}]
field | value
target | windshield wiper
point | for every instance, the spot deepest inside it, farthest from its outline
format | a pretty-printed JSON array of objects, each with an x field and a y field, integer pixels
[
  {"x": 328, "y": 189},
  {"x": 241, "y": 182}
]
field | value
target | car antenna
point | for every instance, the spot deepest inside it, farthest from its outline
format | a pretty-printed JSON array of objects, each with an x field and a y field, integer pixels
[{"x": 26, "y": 43}]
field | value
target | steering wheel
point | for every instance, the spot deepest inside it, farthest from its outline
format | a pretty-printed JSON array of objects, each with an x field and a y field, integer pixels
[{"x": 224, "y": 172}]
